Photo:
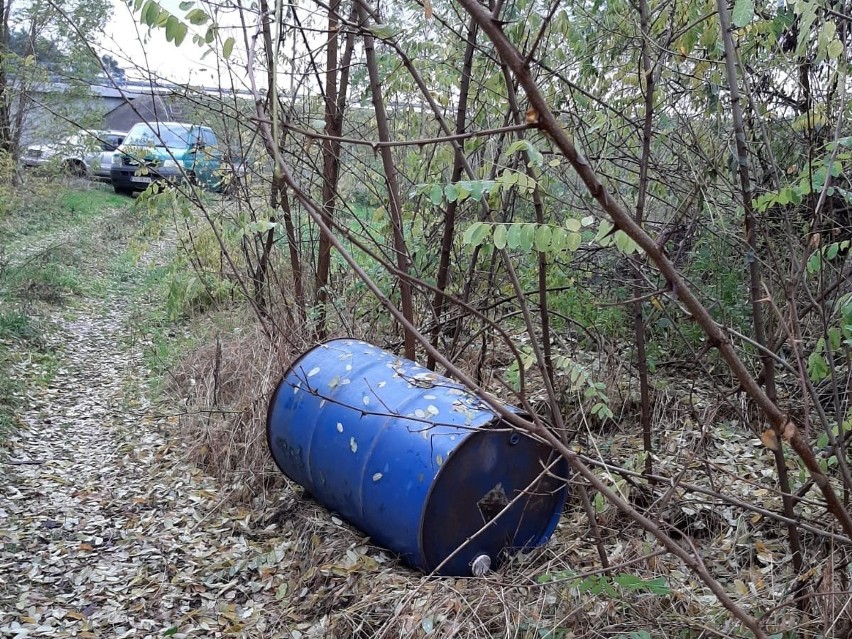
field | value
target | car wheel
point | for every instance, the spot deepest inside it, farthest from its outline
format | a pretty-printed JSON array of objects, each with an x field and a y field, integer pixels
[
  {"x": 75, "y": 168},
  {"x": 123, "y": 190}
]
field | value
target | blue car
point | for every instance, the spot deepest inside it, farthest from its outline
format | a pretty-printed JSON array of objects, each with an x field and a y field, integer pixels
[{"x": 173, "y": 152}]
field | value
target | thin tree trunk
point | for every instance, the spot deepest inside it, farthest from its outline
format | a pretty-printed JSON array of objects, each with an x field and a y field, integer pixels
[
  {"x": 330, "y": 168},
  {"x": 295, "y": 261},
  {"x": 258, "y": 274},
  {"x": 538, "y": 207},
  {"x": 439, "y": 303},
  {"x": 394, "y": 203},
  {"x": 638, "y": 319},
  {"x": 755, "y": 292},
  {"x": 6, "y": 142}
]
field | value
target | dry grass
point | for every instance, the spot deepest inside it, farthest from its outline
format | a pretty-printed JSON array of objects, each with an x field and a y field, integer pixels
[{"x": 226, "y": 386}]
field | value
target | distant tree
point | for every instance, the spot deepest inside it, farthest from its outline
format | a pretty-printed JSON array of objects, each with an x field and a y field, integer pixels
[
  {"x": 44, "y": 54},
  {"x": 40, "y": 40},
  {"x": 114, "y": 68}
]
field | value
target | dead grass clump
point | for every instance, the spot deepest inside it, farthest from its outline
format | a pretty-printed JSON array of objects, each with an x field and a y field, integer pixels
[{"x": 226, "y": 386}]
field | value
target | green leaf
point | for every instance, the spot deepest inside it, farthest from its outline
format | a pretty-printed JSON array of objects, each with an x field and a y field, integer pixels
[
  {"x": 476, "y": 189},
  {"x": 227, "y": 48},
  {"x": 151, "y": 12},
  {"x": 197, "y": 16},
  {"x": 436, "y": 194},
  {"x": 508, "y": 178},
  {"x": 180, "y": 33},
  {"x": 573, "y": 225},
  {"x": 557, "y": 241},
  {"x": 814, "y": 262},
  {"x": 171, "y": 28},
  {"x": 382, "y": 31},
  {"x": 476, "y": 233},
  {"x": 527, "y": 147},
  {"x": 603, "y": 237},
  {"x": 463, "y": 189},
  {"x": 186, "y": 5},
  {"x": 627, "y": 581},
  {"x": 624, "y": 243},
  {"x": 168, "y": 632},
  {"x": 543, "y": 235},
  {"x": 163, "y": 18},
  {"x": 834, "y": 338},
  {"x": 817, "y": 367},
  {"x": 527, "y": 236},
  {"x": 573, "y": 241},
  {"x": 451, "y": 192},
  {"x": 261, "y": 226},
  {"x": 500, "y": 236},
  {"x": 832, "y": 250},
  {"x": 807, "y": 15},
  {"x": 835, "y": 49},
  {"x": 514, "y": 237},
  {"x": 588, "y": 584},
  {"x": 743, "y": 12}
]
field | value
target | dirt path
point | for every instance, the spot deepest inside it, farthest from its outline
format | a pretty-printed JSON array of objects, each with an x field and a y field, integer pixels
[{"x": 105, "y": 531}]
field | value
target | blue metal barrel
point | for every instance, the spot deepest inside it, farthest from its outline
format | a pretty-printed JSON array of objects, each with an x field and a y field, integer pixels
[{"x": 412, "y": 458}]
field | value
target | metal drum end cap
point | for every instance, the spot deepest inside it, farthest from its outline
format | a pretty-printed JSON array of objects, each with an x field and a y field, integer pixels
[{"x": 480, "y": 566}]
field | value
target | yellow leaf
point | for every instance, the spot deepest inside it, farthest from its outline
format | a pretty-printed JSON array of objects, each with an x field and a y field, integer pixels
[
  {"x": 757, "y": 580},
  {"x": 740, "y": 587},
  {"x": 769, "y": 439}
]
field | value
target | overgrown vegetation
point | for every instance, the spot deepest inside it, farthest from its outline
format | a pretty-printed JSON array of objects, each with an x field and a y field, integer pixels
[{"x": 629, "y": 218}]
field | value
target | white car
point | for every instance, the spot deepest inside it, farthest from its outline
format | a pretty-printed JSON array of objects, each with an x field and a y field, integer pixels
[{"x": 88, "y": 153}]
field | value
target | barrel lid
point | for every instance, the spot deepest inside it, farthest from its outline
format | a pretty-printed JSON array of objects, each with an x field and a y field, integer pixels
[{"x": 499, "y": 491}]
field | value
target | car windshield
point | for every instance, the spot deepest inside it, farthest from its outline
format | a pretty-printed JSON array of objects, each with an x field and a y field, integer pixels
[{"x": 171, "y": 135}]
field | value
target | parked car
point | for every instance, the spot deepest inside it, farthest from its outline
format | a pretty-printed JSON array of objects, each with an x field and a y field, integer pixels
[
  {"x": 168, "y": 151},
  {"x": 85, "y": 153}
]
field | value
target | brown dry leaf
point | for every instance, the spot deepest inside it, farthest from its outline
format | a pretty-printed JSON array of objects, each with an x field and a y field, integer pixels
[{"x": 769, "y": 439}]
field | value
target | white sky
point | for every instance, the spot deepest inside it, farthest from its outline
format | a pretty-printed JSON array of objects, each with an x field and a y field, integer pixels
[{"x": 137, "y": 49}]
